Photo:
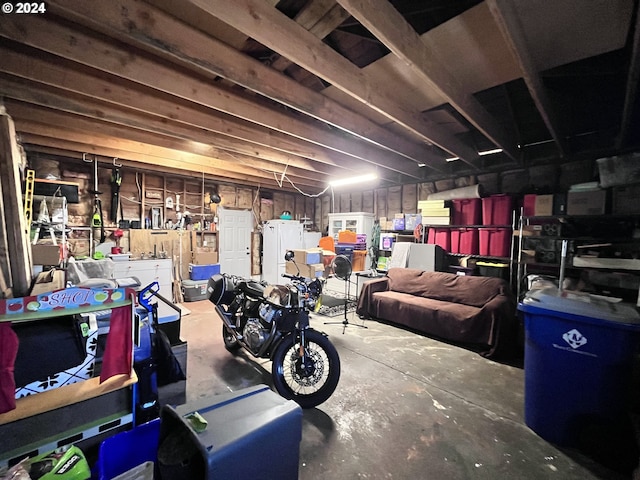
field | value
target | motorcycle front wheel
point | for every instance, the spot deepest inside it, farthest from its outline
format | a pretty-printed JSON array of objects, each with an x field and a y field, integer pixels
[{"x": 313, "y": 382}]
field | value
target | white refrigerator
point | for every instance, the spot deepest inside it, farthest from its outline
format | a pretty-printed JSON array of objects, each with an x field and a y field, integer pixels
[{"x": 278, "y": 236}]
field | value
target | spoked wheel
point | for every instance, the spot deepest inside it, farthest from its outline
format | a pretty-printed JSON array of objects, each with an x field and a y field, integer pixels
[
  {"x": 230, "y": 342},
  {"x": 308, "y": 383}
]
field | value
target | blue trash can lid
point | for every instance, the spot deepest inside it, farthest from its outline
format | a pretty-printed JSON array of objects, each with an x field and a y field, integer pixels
[{"x": 580, "y": 304}]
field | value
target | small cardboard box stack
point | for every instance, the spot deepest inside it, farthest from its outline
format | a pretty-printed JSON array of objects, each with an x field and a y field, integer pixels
[
  {"x": 307, "y": 263},
  {"x": 204, "y": 256}
]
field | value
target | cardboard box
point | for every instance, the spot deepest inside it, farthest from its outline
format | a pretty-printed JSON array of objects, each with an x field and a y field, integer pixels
[
  {"x": 309, "y": 256},
  {"x": 412, "y": 220},
  {"x": 587, "y": 203},
  {"x": 204, "y": 256},
  {"x": 307, "y": 271},
  {"x": 543, "y": 206},
  {"x": 625, "y": 199},
  {"x": 619, "y": 170},
  {"x": 45, "y": 254}
]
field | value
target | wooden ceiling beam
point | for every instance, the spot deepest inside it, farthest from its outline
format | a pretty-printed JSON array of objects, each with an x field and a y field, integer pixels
[
  {"x": 35, "y": 142},
  {"x": 234, "y": 162},
  {"x": 507, "y": 19},
  {"x": 75, "y": 152},
  {"x": 44, "y": 95},
  {"x": 227, "y": 132},
  {"x": 197, "y": 51},
  {"x": 195, "y": 165},
  {"x": 285, "y": 36},
  {"x": 320, "y": 17},
  {"x": 384, "y": 21}
]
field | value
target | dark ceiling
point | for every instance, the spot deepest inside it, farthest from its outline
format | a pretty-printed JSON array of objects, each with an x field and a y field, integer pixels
[{"x": 295, "y": 93}]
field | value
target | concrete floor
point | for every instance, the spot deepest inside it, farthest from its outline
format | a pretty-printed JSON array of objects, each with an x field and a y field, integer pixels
[{"x": 406, "y": 407}]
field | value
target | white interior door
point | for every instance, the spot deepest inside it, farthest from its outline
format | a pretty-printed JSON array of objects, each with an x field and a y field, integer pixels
[{"x": 234, "y": 241}]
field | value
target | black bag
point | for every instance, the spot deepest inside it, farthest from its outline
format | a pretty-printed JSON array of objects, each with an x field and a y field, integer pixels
[{"x": 167, "y": 365}]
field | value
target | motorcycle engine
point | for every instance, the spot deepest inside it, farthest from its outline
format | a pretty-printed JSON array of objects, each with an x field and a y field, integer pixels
[
  {"x": 255, "y": 334},
  {"x": 269, "y": 313}
]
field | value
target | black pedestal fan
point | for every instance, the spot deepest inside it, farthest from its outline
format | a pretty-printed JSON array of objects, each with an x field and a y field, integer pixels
[{"x": 341, "y": 266}]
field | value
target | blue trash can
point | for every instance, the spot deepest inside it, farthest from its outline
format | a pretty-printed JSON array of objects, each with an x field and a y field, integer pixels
[{"x": 579, "y": 355}]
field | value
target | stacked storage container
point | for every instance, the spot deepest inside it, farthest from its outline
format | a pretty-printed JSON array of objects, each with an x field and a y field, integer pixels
[
  {"x": 466, "y": 211},
  {"x": 496, "y": 212},
  {"x": 440, "y": 236},
  {"x": 465, "y": 241}
]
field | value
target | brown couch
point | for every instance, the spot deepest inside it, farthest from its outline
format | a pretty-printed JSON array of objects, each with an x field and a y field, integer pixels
[{"x": 464, "y": 309}]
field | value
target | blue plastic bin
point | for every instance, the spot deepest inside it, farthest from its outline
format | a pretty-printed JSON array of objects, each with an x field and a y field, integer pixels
[
  {"x": 203, "y": 272},
  {"x": 579, "y": 356},
  {"x": 253, "y": 433},
  {"x": 126, "y": 450}
]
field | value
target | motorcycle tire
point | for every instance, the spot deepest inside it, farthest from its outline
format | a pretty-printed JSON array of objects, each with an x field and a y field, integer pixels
[
  {"x": 313, "y": 387},
  {"x": 230, "y": 342}
]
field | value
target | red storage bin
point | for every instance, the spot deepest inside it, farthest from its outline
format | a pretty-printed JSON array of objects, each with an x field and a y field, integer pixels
[
  {"x": 497, "y": 210},
  {"x": 465, "y": 240},
  {"x": 466, "y": 211},
  {"x": 529, "y": 205},
  {"x": 440, "y": 236},
  {"x": 495, "y": 242}
]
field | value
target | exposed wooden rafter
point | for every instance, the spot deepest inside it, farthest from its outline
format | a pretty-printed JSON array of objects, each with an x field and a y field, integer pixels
[
  {"x": 506, "y": 17},
  {"x": 382, "y": 19},
  {"x": 289, "y": 39},
  {"x": 167, "y": 37}
]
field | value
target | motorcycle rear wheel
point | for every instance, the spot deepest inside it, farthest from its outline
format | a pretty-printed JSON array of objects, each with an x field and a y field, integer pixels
[
  {"x": 310, "y": 386},
  {"x": 230, "y": 342}
]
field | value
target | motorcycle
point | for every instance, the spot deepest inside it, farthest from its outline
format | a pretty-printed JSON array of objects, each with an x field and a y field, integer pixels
[{"x": 272, "y": 321}]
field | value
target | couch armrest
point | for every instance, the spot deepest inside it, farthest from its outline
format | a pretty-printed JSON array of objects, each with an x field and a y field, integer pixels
[
  {"x": 366, "y": 295},
  {"x": 501, "y": 312}
]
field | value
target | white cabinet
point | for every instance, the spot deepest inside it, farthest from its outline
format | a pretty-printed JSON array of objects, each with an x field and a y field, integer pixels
[
  {"x": 149, "y": 271},
  {"x": 357, "y": 222}
]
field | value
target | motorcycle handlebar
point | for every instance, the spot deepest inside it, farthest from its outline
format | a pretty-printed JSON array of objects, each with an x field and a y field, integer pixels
[{"x": 293, "y": 277}]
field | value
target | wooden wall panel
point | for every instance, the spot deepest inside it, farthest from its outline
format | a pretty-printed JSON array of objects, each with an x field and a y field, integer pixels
[
  {"x": 344, "y": 204},
  {"x": 514, "y": 181},
  {"x": 227, "y": 196},
  {"x": 425, "y": 189},
  {"x": 394, "y": 201},
  {"x": 266, "y": 209},
  {"x": 368, "y": 201},
  {"x": 356, "y": 202},
  {"x": 489, "y": 183},
  {"x": 176, "y": 243},
  {"x": 382, "y": 209},
  {"x": 410, "y": 198},
  {"x": 244, "y": 198},
  {"x": 446, "y": 184}
]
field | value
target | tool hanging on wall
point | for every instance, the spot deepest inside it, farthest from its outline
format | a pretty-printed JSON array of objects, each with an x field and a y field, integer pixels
[
  {"x": 96, "y": 218},
  {"x": 116, "y": 181}
]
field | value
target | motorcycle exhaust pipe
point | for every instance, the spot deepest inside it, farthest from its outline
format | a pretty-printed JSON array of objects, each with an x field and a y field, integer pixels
[{"x": 225, "y": 320}]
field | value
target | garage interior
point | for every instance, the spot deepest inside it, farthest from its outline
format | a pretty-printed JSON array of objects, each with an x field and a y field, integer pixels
[{"x": 149, "y": 131}]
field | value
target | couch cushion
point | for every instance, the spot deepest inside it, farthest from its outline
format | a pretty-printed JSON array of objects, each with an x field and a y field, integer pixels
[
  {"x": 442, "y": 319},
  {"x": 447, "y": 287}
]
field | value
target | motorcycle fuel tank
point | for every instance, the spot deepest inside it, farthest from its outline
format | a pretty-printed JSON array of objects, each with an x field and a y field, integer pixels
[{"x": 280, "y": 295}]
